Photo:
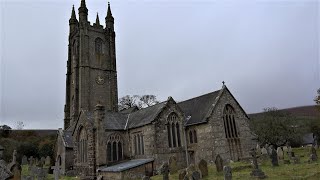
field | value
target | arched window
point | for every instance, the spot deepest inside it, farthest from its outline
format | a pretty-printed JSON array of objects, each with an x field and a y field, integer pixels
[
  {"x": 114, "y": 148},
  {"x": 229, "y": 122},
  {"x": 173, "y": 128},
  {"x": 190, "y": 137},
  {"x": 195, "y": 136},
  {"x": 138, "y": 143},
  {"x": 82, "y": 146}
]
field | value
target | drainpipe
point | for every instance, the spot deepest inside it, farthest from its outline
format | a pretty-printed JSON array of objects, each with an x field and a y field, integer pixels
[
  {"x": 186, "y": 146},
  {"x": 185, "y": 139}
]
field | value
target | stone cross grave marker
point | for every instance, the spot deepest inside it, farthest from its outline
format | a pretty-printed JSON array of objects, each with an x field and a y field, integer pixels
[
  {"x": 274, "y": 157},
  {"x": 56, "y": 171},
  {"x": 256, "y": 172}
]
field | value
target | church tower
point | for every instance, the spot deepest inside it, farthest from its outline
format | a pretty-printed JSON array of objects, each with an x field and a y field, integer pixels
[{"x": 91, "y": 67}]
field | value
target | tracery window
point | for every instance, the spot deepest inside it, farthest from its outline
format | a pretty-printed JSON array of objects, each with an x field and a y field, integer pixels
[
  {"x": 114, "y": 148},
  {"x": 82, "y": 146},
  {"x": 138, "y": 144},
  {"x": 230, "y": 127},
  {"x": 173, "y": 129}
]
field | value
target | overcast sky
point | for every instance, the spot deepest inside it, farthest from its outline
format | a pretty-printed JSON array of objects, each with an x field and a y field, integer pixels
[{"x": 267, "y": 52}]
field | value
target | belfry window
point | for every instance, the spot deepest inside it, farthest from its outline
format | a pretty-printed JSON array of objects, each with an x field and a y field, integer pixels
[
  {"x": 82, "y": 146},
  {"x": 229, "y": 123},
  {"x": 173, "y": 129},
  {"x": 98, "y": 46},
  {"x": 114, "y": 148}
]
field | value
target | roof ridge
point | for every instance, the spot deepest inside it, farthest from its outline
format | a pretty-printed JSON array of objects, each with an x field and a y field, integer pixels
[
  {"x": 199, "y": 96},
  {"x": 149, "y": 107}
]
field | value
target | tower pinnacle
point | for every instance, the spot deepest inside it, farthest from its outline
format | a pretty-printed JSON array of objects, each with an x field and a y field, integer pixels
[
  {"x": 97, "y": 20},
  {"x": 109, "y": 18},
  {"x": 73, "y": 18},
  {"x": 83, "y": 11}
]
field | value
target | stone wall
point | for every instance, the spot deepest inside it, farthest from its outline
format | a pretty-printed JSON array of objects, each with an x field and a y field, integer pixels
[{"x": 211, "y": 135}]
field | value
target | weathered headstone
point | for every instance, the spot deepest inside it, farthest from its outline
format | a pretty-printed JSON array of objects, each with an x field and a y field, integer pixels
[
  {"x": 31, "y": 161},
  {"x": 42, "y": 161},
  {"x": 279, "y": 153},
  {"x": 296, "y": 159},
  {"x": 289, "y": 152},
  {"x": 15, "y": 167},
  {"x": 41, "y": 173},
  {"x": 182, "y": 174},
  {"x": 4, "y": 171},
  {"x": 219, "y": 163},
  {"x": 24, "y": 160},
  {"x": 164, "y": 169},
  {"x": 145, "y": 178},
  {"x": 264, "y": 151},
  {"x": 256, "y": 172},
  {"x": 227, "y": 172},
  {"x": 274, "y": 157},
  {"x": 196, "y": 175},
  {"x": 258, "y": 149},
  {"x": 173, "y": 165},
  {"x": 48, "y": 161},
  {"x": 203, "y": 167},
  {"x": 56, "y": 171},
  {"x": 313, "y": 154}
]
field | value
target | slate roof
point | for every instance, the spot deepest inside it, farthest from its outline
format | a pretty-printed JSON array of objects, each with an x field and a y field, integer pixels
[
  {"x": 125, "y": 165},
  {"x": 144, "y": 116},
  {"x": 129, "y": 110},
  {"x": 197, "y": 108},
  {"x": 67, "y": 138},
  {"x": 115, "y": 121}
]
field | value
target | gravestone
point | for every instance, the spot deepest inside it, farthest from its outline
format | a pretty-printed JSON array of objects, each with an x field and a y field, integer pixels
[
  {"x": 173, "y": 165},
  {"x": 289, "y": 152},
  {"x": 203, "y": 167},
  {"x": 279, "y": 153},
  {"x": 182, "y": 174},
  {"x": 42, "y": 161},
  {"x": 31, "y": 161},
  {"x": 219, "y": 163},
  {"x": 4, "y": 171},
  {"x": 313, "y": 154},
  {"x": 256, "y": 172},
  {"x": 164, "y": 169},
  {"x": 296, "y": 159},
  {"x": 258, "y": 150},
  {"x": 48, "y": 161},
  {"x": 41, "y": 173},
  {"x": 15, "y": 167},
  {"x": 56, "y": 171},
  {"x": 145, "y": 178},
  {"x": 24, "y": 160},
  {"x": 227, "y": 173},
  {"x": 264, "y": 151},
  {"x": 196, "y": 175},
  {"x": 274, "y": 157}
]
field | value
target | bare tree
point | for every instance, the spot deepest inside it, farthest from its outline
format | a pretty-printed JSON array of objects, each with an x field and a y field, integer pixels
[
  {"x": 19, "y": 125},
  {"x": 143, "y": 101},
  {"x": 148, "y": 100},
  {"x": 128, "y": 101}
]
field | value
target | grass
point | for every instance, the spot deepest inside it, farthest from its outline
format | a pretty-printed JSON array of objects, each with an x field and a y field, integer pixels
[{"x": 302, "y": 171}]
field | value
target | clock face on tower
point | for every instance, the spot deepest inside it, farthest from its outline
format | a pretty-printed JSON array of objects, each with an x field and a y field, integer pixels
[{"x": 99, "y": 80}]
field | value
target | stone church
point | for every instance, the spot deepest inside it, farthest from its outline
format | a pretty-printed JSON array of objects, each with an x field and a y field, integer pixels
[{"x": 98, "y": 141}]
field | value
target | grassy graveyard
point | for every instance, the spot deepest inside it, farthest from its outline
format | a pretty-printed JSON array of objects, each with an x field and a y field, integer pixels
[{"x": 241, "y": 170}]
